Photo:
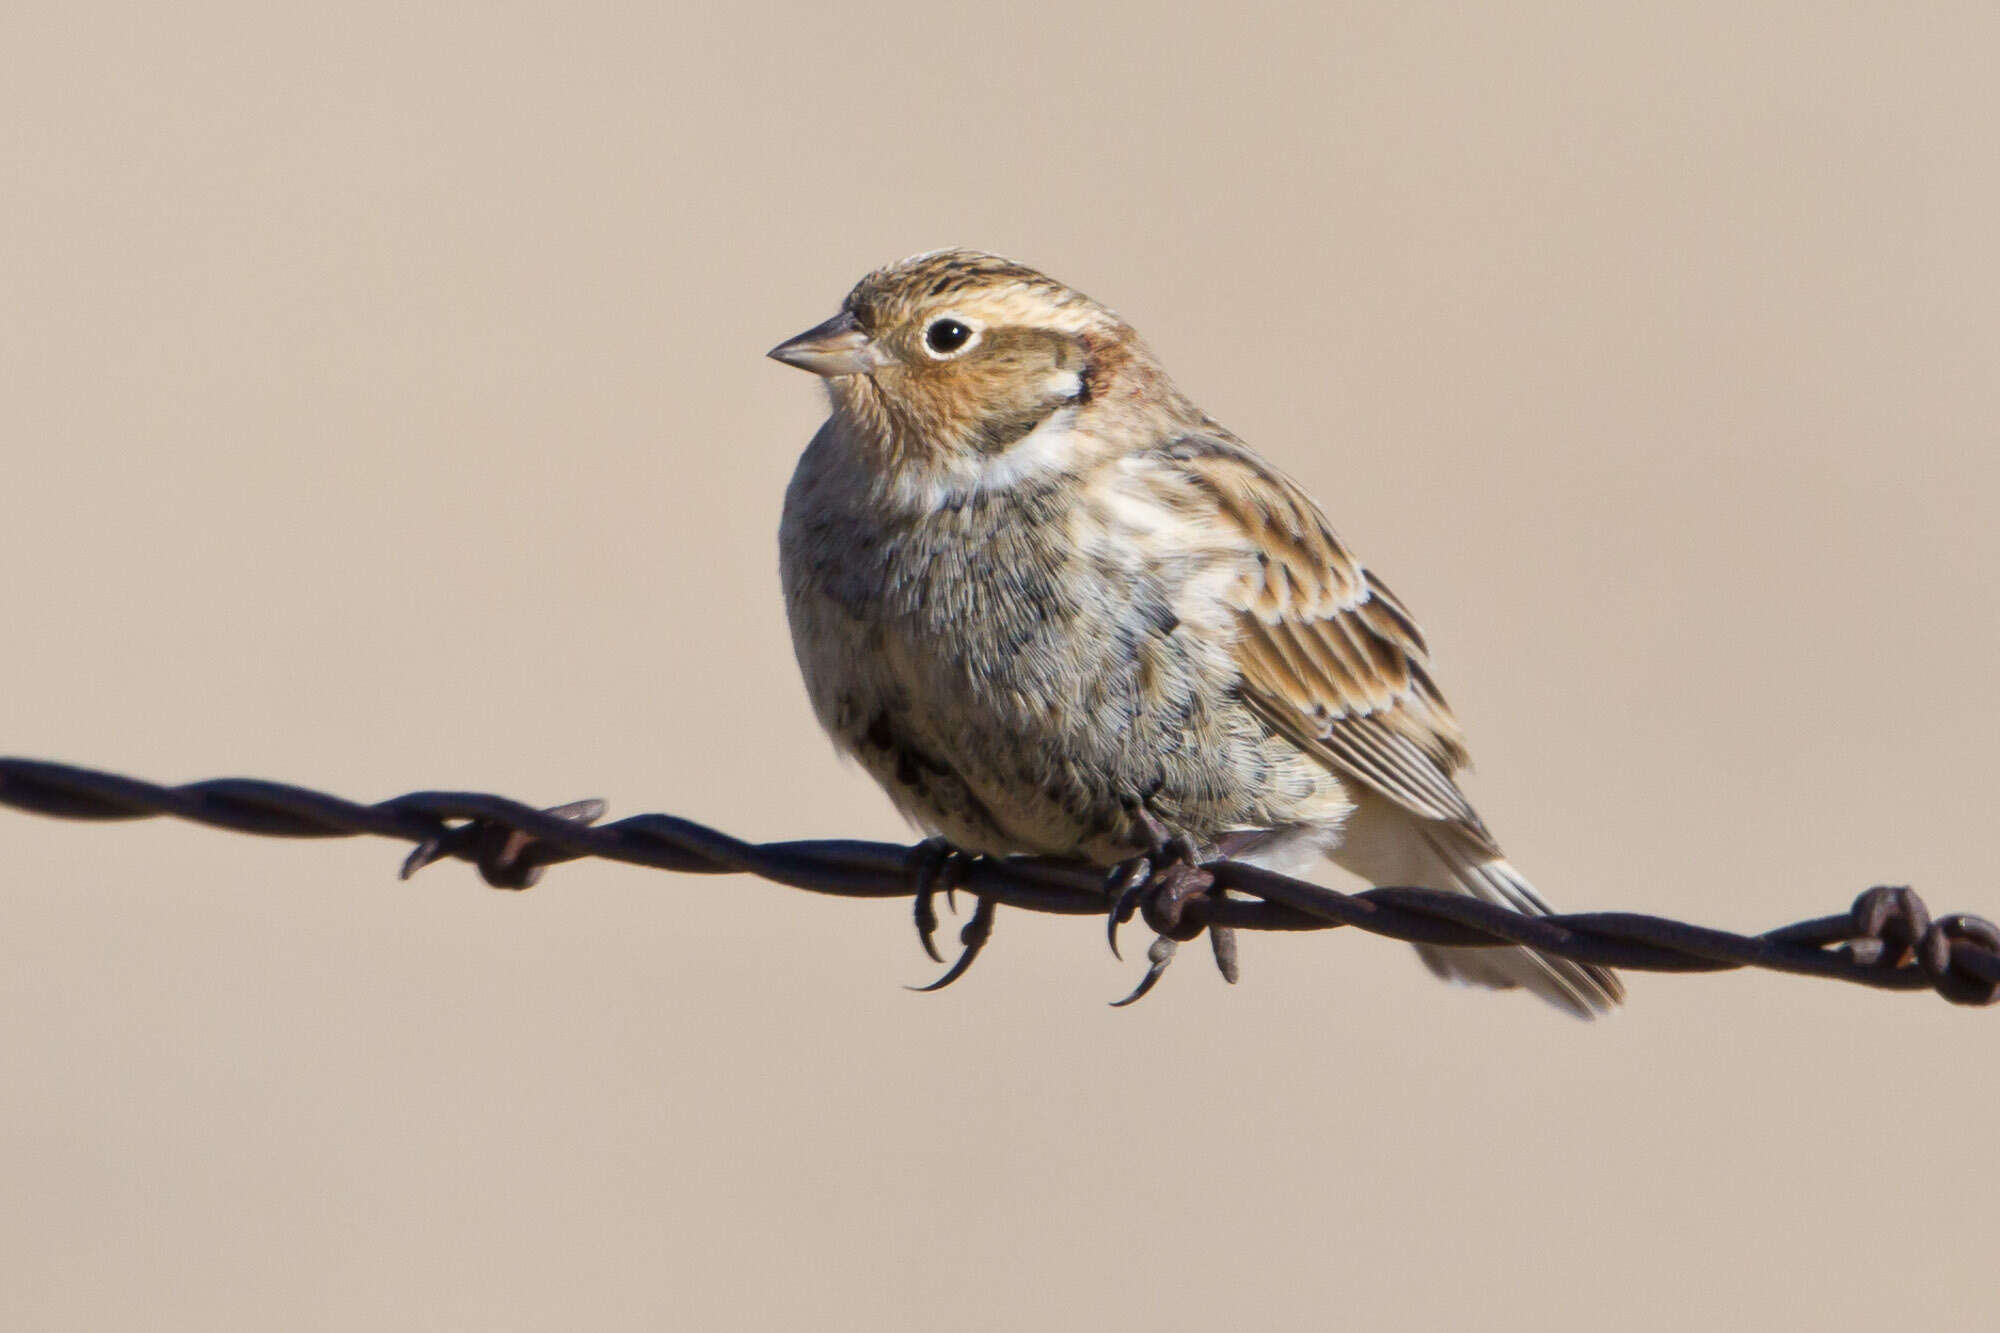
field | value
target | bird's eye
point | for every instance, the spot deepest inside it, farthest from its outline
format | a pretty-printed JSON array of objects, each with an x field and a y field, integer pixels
[{"x": 946, "y": 336}]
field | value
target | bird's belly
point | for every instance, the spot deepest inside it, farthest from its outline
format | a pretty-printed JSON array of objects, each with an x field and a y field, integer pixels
[
  {"x": 1011, "y": 723},
  {"x": 1017, "y": 675}
]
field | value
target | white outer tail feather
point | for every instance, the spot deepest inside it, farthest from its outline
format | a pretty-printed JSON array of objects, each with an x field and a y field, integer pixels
[{"x": 1388, "y": 845}]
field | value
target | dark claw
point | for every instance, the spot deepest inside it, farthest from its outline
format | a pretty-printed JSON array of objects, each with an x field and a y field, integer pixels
[
  {"x": 927, "y": 922},
  {"x": 977, "y": 931},
  {"x": 1130, "y": 879},
  {"x": 1158, "y": 957},
  {"x": 938, "y": 865},
  {"x": 929, "y": 866}
]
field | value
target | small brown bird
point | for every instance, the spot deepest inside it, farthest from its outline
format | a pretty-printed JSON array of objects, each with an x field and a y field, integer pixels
[{"x": 1054, "y": 608}]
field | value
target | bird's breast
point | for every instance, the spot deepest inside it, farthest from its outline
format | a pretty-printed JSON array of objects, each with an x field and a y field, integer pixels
[{"x": 1022, "y": 598}]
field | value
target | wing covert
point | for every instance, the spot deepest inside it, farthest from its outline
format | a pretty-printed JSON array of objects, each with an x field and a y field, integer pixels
[{"x": 1330, "y": 657}]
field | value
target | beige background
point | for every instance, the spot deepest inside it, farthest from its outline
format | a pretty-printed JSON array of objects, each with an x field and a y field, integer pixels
[{"x": 384, "y": 407}]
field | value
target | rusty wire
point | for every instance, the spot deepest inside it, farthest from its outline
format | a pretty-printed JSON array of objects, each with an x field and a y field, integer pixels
[{"x": 1888, "y": 939}]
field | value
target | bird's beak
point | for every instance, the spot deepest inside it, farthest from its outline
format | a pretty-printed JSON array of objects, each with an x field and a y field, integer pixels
[{"x": 838, "y": 347}]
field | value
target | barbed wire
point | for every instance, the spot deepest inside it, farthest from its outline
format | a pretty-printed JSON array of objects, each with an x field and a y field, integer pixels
[{"x": 1888, "y": 939}]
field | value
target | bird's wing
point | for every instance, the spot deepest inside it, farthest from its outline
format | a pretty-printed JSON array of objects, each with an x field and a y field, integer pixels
[{"x": 1329, "y": 656}]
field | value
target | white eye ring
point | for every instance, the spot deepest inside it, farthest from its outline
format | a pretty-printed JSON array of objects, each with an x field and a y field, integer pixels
[{"x": 948, "y": 336}]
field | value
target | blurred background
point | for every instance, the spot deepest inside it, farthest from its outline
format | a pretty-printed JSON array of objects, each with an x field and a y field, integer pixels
[{"x": 383, "y": 406}]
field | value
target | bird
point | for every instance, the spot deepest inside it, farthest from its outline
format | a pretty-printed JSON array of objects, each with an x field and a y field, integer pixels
[{"x": 1054, "y": 608}]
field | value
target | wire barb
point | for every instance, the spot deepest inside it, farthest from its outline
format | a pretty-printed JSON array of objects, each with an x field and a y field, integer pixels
[
  {"x": 501, "y": 853},
  {"x": 1888, "y": 939}
]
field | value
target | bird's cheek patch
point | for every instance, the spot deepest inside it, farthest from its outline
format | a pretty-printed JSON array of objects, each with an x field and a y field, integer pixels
[{"x": 1066, "y": 386}]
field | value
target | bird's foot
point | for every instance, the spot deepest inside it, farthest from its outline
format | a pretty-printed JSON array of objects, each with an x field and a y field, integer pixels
[
  {"x": 1188, "y": 924},
  {"x": 943, "y": 866},
  {"x": 972, "y": 939},
  {"x": 1170, "y": 888},
  {"x": 1160, "y": 885},
  {"x": 1157, "y": 957},
  {"x": 938, "y": 865}
]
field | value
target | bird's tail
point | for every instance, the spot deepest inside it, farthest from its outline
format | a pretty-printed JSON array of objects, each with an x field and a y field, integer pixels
[{"x": 1387, "y": 845}]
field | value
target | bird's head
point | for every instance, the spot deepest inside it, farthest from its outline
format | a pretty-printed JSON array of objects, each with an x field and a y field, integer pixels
[{"x": 949, "y": 359}]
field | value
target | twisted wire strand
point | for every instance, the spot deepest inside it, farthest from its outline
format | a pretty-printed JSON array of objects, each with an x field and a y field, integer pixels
[{"x": 1887, "y": 940}]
